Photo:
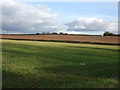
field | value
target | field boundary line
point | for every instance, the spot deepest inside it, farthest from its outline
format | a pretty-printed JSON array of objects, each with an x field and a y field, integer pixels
[{"x": 64, "y": 41}]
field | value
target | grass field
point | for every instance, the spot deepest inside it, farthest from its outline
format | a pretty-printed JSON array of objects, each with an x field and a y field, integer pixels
[{"x": 34, "y": 64}]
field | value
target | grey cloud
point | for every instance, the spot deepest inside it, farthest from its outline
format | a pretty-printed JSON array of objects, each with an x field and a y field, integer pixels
[
  {"x": 25, "y": 18},
  {"x": 92, "y": 24},
  {"x": 21, "y": 17}
]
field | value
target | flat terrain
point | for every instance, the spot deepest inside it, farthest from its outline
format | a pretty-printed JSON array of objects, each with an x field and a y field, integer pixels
[
  {"x": 72, "y": 38},
  {"x": 36, "y": 64}
]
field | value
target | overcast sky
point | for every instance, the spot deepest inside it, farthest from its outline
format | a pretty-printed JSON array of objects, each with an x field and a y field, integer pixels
[{"x": 71, "y": 17}]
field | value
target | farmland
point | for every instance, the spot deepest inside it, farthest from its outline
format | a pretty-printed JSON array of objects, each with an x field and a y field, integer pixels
[
  {"x": 37, "y": 64},
  {"x": 68, "y": 38}
]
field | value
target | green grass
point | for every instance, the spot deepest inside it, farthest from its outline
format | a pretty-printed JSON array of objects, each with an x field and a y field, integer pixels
[{"x": 33, "y": 64}]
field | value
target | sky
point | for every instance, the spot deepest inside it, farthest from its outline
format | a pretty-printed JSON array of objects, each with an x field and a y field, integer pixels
[
  {"x": 70, "y": 17},
  {"x": 105, "y": 10}
]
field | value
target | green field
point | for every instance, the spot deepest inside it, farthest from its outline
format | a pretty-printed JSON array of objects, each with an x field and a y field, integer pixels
[{"x": 35, "y": 64}]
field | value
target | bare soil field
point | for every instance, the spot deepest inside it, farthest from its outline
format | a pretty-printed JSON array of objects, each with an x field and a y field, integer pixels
[{"x": 68, "y": 38}]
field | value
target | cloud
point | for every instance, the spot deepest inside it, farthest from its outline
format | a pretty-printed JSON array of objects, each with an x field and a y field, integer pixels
[
  {"x": 26, "y": 18},
  {"x": 92, "y": 24}
]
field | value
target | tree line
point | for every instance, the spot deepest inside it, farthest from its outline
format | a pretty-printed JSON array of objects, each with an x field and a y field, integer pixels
[{"x": 110, "y": 34}]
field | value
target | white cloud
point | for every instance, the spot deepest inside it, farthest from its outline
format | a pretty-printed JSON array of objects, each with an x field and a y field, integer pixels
[
  {"x": 25, "y": 18},
  {"x": 92, "y": 25}
]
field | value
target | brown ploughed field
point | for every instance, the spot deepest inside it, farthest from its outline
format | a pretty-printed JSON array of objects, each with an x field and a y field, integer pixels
[{"x": 70, "y": 38}]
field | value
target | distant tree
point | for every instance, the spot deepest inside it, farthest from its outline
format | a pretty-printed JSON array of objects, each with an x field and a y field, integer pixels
[
  {"x": 54, "y": 33},
  {"x": 37, "y": 33},
  {"x": 63, "y": 33},
  {"x": 112, "y": 34},
  {"x": 108, "y": 34}
]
